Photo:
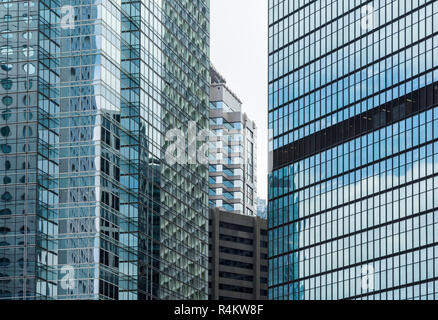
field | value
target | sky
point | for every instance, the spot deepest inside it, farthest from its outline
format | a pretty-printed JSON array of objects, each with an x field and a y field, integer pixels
[{"x": 238, "y": 50}]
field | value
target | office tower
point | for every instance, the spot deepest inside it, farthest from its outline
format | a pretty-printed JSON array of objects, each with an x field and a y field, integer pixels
[
  {"x": 28, "y": 160},
  {"x": 262, "y": 208},
  {"x": 238, "y": 256},
  {"x": 233, "y": 154},
  {"x": 353, "y": 198},
  {"x": 106, "y": 216}
]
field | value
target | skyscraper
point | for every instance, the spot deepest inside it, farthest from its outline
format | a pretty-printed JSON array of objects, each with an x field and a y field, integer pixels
[
  {"x": 262, "y": 208},
  {"x": 353, "y": 119},
  {"x": 99, "y": 213},
  {"x": 28, "y": 157},
  {"x": 233, "y": 151}
]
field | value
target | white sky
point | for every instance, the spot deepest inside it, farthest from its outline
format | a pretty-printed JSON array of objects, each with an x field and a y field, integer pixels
[{"x": 238, "y": 31}]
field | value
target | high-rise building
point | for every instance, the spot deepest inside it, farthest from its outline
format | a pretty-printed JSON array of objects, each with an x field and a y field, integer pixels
[
  {"x": 90, "y": 208},
  {"x": 353, "y": 119},
  {"x": 238, "y": 256},
  {"x": 233, "y": 154}
]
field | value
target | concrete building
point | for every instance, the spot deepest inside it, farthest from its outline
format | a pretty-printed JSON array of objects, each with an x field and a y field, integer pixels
[
  {"x": 233, "y": 164},
  {"x": 353, "y": 184},
  {"x": 238, "y": 265},
  {"x": 89, "y": 208}
]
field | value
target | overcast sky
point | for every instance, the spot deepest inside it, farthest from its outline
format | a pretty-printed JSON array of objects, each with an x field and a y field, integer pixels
[{"x": 239, "y": 52}]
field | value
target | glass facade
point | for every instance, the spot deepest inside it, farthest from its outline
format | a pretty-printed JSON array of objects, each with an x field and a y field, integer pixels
[
  {"x": 88, "y": 202},
  {"x": 28, "y": 157},
  {"x": 353, "y": 119}
]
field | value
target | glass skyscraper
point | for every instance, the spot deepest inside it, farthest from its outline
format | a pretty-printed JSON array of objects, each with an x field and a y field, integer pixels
[
  {"x": 89, "y": 207},
  {"x": 232, "y": 152},
  {"x": 353, "y": 119}
]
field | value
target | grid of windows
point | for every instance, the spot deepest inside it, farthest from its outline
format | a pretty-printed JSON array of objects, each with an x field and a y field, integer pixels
[
  {"x": 240, "y": 261},
  {"x": 28, "y": 162},
  {"x": 354, "y": 76},
  {"x": 353, "y": 121}
]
